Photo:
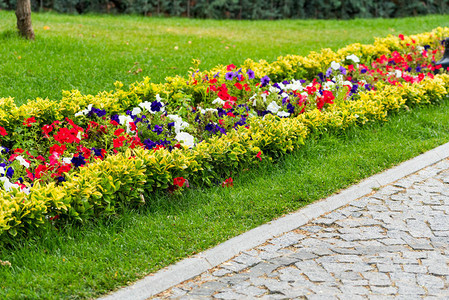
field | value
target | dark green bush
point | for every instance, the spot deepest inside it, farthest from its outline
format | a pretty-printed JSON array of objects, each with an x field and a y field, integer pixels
[{"x": 247, "y": 9}]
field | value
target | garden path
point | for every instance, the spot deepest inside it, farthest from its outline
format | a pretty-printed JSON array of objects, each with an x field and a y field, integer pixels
[{"x": 392, "y": 243}]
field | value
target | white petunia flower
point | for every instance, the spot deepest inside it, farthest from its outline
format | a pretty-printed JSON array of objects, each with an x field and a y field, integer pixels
[
  {"x": 273, "y": 107},
  {"x": 179, "y": 123},
  {"x": 353, "y": 57},
  {"x": 283, "y": 114},
  {"x": 328, "y": 85},
  {"x": 219, "y": 102},
  {"x": 273, "y": 89},
  {"x": 186, "y": 138},
  {"x": 22, "y": 161},
  {"x": 84, "y": 112},
  {"x": 7, "y": 185},
  {"x": 296, "y": 85},
  {"x": 67, "y": 160},
  {"x": 136, "y": 111},
  {"x": 146, "y": 105},
  {"x": 335, "y": 65},
  {"x": 398, "y": 73}
]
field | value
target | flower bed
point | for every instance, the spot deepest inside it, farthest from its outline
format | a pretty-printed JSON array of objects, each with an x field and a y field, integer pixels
[{"x": 87, "y": 156}]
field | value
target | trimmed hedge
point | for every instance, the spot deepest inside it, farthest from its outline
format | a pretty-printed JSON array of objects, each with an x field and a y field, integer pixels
[{"x": 247, "y": 9}]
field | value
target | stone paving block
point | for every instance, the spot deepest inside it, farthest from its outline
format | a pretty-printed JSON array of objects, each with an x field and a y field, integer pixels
[
  {"x": 416, "y": 269},
  {"x": 409, "y": 289},
  {"x": 234, "y": 279},
  {"x": 354, "y": 282},
  {"x": 318, "y": 276},
  {"x": 377, "y": 279},
  {"x": 321, "y": 297},
  {"x": 355, "y": 290},
  {"x": 275, "y": 286},
  {"x": 252, "y": 291},
  {"x": 283, "y": 260},
  {"x": 228, "y": 295},
  {"x": 439, "y": 269},
  {"x": 247, "y": 260},
  {"x": 430, "y": 281},
  {"x": 303, "y": 254},
  {"x": 261, "y": 269},
  {"x": 382, "y": 290},
  {"x": 234, "y": 266}
]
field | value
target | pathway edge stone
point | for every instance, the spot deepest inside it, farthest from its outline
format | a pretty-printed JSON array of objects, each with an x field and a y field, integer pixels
[{"x": 190, "y": 267}]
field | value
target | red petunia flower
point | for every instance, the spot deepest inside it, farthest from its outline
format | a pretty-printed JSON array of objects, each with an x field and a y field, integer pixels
[
  {"x": 228, "y": 182},
  {"x": 259, "y": 155},
  {"x": 29, "y": 121},
  {"x": 230, "y": 67},
  {"x": 179, "y": 181},
  {"x": 3, "y": 131},
  {"x": 119, "y": 131},
  {"x": 46, "y": 129}
]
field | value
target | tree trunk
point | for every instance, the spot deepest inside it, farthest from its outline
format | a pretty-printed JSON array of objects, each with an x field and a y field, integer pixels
[{"x": 23, "y": 14}]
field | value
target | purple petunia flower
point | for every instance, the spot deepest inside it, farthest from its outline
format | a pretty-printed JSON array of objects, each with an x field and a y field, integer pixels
[
  {"x": 97, "y": 152},
  {"x": 290, "y": 108},
  {"x": 342, "y": 70},
  {"x": 328, "y": 72},
  {"x": 170, "y": 125},
  {"x": 363, "y": 71},
  {"x": 149, "y": 144},
  {"x": 426, "y": 47},
  {"x": 229, "y": 76},
  {"x": 321, "y": 76},
  {"x": 265, "y": 80},
  {"x": 61, "y": 179},
  {"x": 354, "y": 88},
  {"x": 156, "y": 106},
  {"x": 115, "y": 118},
  {"x": 210, "y": 127},
  {"x": 217, "y": 75},
  {"x": 78, "y": 161},
  {"x": 158, "y": 129},
  {"x": 163, "y": 142},
  {"x": 99, "y": 112},
  {"x": 221, "y": 129},
  {"x": 10, "y": 172},
  {"x": 241, "y": 122},
  {"x": 250, "y": 74}
]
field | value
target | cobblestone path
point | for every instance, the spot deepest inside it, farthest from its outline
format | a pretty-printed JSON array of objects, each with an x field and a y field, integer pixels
[{"x": 392, "y": 244}]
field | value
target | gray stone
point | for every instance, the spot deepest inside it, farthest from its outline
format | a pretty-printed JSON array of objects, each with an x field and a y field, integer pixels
[
  {"x": 439, "y": 269},
  {"x": 415, "y": 269},
  {"x": 228, "y": 295},
  {"x": 377, "y": 279},
  {"x": 430, "y": 282},
  {"x": 317, "y": 276},
  {"x": 277, "y": 286},
  {"x": 247, "y": 260},
  {"x": 234, "y": 266},
  {"x": 390, "y": 290}
]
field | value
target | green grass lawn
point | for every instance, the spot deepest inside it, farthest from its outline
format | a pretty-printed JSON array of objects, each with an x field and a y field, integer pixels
[{"x": 90, "y": 53}]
